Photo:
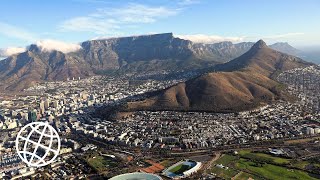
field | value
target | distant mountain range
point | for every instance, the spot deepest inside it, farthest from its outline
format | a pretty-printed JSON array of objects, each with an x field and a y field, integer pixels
[
  {"x": 243, "y": 83},
  {"x": 286, "y": 48},
  {"x": 136, "y": 54}
]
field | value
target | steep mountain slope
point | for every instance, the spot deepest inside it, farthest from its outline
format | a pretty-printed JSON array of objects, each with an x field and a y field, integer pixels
[
  {"x": 246, "y": 84},
  {"x": 128, "y": 53},
  {"x": 25, "y": 69},
  {"x": 134, "y": 55},
  {"x": 222, "y": 50},
  {"x": 137, "y": 54},
  {"x": 264, "y": 60}
]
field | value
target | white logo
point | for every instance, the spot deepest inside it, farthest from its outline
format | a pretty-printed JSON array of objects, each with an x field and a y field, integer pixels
[{"x": 37, "y": 142}]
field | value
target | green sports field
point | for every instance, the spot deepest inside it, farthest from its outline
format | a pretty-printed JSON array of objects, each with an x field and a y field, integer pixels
[{"x": 180, "y": 169}]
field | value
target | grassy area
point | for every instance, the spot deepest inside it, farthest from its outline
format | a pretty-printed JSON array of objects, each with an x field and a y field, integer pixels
[
  {"x": 263, "y": 157},
  {"x": 224, "y": 173},
  {"x": 259, "y": 166},
  {"x": 100, "y": 163},
  {"x": 299, "y": 164},
  {"x": 270, "y": 171},
  {"x": 180, "y": 169},
  {"x": 226, "y": 159}
]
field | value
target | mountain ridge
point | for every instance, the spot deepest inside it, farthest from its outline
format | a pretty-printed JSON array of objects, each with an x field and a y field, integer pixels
[
  {"x": 135, "y": 54},
  {"x": 241, "y": 84}
]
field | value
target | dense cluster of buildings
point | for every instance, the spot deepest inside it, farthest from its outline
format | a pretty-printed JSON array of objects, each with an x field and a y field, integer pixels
[
  {"x": 167, "y": 129},
  {"x": 304, "y": 83},
  {"x": 60, "y": 103},
  {"x": 67, "y": 106}
]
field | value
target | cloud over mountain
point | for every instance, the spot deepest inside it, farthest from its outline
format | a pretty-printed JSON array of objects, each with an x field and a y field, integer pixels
[
  {"x": 11, "y": 50},
  {"x": 50, "y": 45},
  {"x": 209, "y": 39}
]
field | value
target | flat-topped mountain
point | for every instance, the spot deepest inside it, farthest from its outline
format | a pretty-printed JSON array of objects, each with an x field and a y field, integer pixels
[
  {"x": 245, "y": 83},
  {"x": 136, "y": 54}
]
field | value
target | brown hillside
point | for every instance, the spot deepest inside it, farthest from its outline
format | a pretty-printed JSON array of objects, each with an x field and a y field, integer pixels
[{"x": 247, "y": 84}]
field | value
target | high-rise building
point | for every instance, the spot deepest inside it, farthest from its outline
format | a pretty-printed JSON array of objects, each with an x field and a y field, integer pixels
[
  {"x": 91, "y": 97},
  {"x": 47, "y": 104},
  {"x": 32, "y": 116},
  {"x": 1, "y": 116},
  {"x": 55, "y": 103},
  {"x": 317, "y": 130},
  {"x": 42, "y": 107},
  {"x": 310, "y": 131}
]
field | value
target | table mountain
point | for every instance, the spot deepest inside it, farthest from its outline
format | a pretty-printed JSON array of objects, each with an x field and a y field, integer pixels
[{"x": 136, "y": 54}]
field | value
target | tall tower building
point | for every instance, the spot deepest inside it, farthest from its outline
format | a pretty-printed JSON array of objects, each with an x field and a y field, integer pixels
[
  {"x": 47, "y": 104},
  {"x": 55, "y": 103},
  {"x": 32, "y": 116},
  {"x": 42, "y": 107}
]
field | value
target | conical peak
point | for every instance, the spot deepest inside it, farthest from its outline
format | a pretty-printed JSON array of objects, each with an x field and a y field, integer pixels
[
  {"x": 33, "y": 48},
  {"x": 260, "y": 44}
]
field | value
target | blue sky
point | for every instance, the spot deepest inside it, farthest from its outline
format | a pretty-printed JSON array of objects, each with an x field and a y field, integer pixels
[{"x": 73, "y": 21}]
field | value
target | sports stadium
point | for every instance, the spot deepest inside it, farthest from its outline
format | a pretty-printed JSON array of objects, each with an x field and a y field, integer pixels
[
  {"x": 136, "y": 176},
  {"x": 182, "y": 169}
]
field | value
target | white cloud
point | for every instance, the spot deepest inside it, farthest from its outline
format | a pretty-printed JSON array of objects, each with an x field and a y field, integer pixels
[
  {"x": 281, "y": 36},
  {"x": 16, "y": 32},
  {"x": 50, "y": 45},
  {"x": 90, "y": 24},
  {"x": 209, "y": 39},
  {"x": 11, "y": 51},
  {"x": 137, "y": 13},
  {"x": 188, "y": 2},
  {"x": 110, "y": 20}
]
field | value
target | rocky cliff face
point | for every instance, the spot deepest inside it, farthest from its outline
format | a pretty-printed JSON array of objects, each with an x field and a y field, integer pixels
[
  {"x": 119, "y": 52},
  {"x": 221, "y": 52},
  {"x": 136, "y": 54}
]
